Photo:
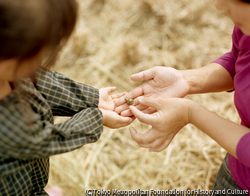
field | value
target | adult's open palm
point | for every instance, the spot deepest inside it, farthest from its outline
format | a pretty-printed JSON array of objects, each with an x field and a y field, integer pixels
[{"x": 162, "y": 82}]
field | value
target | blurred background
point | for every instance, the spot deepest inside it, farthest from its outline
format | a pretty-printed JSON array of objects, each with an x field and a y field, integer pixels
[{"x": 117, "y": 38}]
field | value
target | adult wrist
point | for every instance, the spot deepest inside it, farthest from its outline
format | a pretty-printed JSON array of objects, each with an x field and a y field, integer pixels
[
  {"x": 190, "y": 80},
  {"x": 191, "y": 108},
  {"x": 186, "y": 110}
]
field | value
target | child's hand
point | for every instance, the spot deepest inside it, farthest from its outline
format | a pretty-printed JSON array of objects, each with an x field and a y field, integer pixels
[
  {"x": 165, "y": 82},
  {"x": 106, "y": 101},
  {"x": 113, "y": 120},
  {"x": 106, "y": 104},
  {"x": 171, "y": 116}
]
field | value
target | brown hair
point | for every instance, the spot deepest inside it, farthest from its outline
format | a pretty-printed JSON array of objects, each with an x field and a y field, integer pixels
[{"x": 27, "y": 26}]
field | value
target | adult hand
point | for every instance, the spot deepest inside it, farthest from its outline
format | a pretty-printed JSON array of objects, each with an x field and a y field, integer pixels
[
  {"x": 162, "y": 82},
  {"x": 171, "y": 116}
]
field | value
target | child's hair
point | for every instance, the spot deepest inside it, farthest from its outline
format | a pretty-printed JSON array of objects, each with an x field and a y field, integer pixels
[{"x": 27, "y": 26}]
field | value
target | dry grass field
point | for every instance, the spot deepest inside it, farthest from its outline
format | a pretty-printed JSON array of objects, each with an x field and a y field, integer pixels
[{"x": 116, "y": 38}]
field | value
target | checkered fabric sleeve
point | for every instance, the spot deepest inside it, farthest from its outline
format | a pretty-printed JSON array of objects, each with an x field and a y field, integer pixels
[
  {"x": 28, "y": 135},
  {"x": 65, "y": 96},
  {"x": 27, "y": 130}
]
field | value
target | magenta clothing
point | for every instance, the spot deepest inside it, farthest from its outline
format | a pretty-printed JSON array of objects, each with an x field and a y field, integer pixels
[{"x": 237, "y": 63}]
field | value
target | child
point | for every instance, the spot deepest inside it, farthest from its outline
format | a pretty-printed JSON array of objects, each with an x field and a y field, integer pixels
[
  {"x": 32, "y": 31},
  {"x": 229, "y": 72}
]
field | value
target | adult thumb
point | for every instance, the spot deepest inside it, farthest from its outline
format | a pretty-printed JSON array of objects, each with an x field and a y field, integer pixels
[
  {"x": 151, "y": 102},
  {"x": 144, "y": 75},
  {"x": 142, "y": 117}
]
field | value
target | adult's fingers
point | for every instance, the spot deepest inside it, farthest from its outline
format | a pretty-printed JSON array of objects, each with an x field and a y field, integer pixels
[
  {"x": 137, "y": 104},
  {"x": 139, "y": 138},
  {"x": 153, "y": 144},
  {"x": 164, "y": 145},
  {"x": 138, "y": 91},
  {"x": 135, "y": 135},
  {"x": 145, "y": 118},
  {"x": 126, "y": 113},
  {"x": 120, "y": 108},
  {"x": 151, "y": 102},
  {"x": 145, "y": 109},
  {"x": 149, "y": 110},
  {"x": 144, "y": 75},
  {"x": 150, "y": 139}
]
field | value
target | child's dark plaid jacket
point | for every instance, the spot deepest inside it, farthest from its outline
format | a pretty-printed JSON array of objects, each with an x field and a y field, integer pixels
[{"x": 27, "y": 133}]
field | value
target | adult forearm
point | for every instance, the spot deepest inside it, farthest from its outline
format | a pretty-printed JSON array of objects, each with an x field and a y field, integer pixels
[
  {"x": 210, "y": 78},
  {"x": 226, "y": 133}
]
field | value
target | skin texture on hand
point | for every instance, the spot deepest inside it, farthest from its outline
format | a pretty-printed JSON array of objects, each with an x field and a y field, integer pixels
[
  {"x": 113, "y": 120},
  {"x": 162, "y": 82},
  {"x": 107, "y": 106},
  {"x": 168, "y": 82},
  {"x": 106, "y": 101},
  {"x": 171, "y": 116}
]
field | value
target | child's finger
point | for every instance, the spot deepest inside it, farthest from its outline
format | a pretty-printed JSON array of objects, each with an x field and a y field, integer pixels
[
  {"x": 145, "y": 118},
  {"x": 124, "y": 121},
  {"x": 117, "y": 96},
  {"x": 110, "y": 89}
]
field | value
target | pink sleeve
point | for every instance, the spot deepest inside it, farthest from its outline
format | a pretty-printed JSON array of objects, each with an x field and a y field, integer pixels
[
  {"x": 243, "y": 150},
  {"x": 228, "y": 60}
]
